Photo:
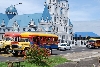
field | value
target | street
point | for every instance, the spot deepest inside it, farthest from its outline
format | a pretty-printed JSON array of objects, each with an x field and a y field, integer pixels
[
  {"x": 74, "y": 49},
  {"x": 5, "y": 57}
]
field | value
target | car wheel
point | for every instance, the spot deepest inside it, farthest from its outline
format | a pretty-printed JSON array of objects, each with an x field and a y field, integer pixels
[
  {"x": 0, "y": 50},
  {"x": 65, "y": 49},
  {"x": 57, "y": 48},
  {"x": 70, "y": 48},
  {"x": 89, "y": 46}
]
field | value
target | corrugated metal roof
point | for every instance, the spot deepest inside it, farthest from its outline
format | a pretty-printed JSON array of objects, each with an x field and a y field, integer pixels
[
  {"x": 62, "y": 0},
  {"x": 5, "y": 17},
  {"x": 85, "y": 34},
  {"x": 46, "y": 13},
  {"x": 23, "y": 20}
]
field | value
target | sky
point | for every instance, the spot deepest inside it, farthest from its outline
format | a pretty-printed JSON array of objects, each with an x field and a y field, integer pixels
[{"x": 79, "y": 10}]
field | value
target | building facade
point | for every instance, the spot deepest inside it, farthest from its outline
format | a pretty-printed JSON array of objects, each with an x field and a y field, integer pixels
[{"x": 54, "y": 19}]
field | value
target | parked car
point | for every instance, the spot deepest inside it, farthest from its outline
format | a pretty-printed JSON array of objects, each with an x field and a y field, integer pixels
[{"x": 64, "y": 46}]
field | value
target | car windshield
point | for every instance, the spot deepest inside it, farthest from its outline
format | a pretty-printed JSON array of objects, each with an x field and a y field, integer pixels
[
  {"x": 68, "y": 44},
  {"x": 63, "y": 44},
  {"x": 91, "y": 41}
]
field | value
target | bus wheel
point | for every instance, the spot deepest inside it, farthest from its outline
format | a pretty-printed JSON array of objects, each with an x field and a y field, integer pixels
[
  {"x": 15, "y": 54},
  {"x": 7, "y": 50},
  {"x": 96, "y": 47},
  {"x": 26, "y": 50},
  {"x": 0, "y": 50}
]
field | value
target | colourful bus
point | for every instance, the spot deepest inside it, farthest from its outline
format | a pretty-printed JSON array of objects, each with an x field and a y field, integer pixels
[
  {"x": 44, "y": 40},
  {"x": 5, "y": 44},
  {"x": 49, "y": 41},
  {"x": 19, "y": 47}
]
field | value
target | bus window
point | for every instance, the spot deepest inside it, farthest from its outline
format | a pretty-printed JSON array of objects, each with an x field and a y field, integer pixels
[
  {"x": 55, "y": 39},
  {"x": 16, "y": 39},
  {"x": 49, "y": 39},
  {"x": 26, "y": 40},
  {"x": 8, "y": 39},
  {"x": 41, "y": 38},
  {"x": 22, "y": 40},
  {"x": 34, "y": 39}
]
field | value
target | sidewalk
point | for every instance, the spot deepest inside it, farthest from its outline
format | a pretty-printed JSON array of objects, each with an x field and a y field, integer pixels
[
  {"x": 91, "y": 62},
  {"x": 81, "y": 55}
]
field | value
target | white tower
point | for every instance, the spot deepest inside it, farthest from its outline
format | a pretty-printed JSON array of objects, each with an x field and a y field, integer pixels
[{"x": 58, "y": 10}]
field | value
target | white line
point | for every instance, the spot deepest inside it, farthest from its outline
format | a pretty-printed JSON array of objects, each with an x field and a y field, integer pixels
[
  {"x": 72, "y": 50},
  {"x": 83, "y": 49},
  {"x": 68, "y": 53}
]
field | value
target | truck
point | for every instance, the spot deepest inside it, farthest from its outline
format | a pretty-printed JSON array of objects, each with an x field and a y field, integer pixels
[{"x": 5, "y": 43}]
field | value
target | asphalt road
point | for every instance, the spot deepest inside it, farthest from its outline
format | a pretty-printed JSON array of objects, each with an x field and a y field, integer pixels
[
  {"x": 74, "y": 49},
  {"x": 4, "y": 57}
]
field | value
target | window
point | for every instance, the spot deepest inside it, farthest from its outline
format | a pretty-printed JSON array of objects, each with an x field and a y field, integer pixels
[
  {"x": 54, "y": 19},
  {"x": 55, "y": 39},
  {"x": 48, "y": 7},
  {"x": 50, "y": 1},
  {"x": 53, "y": 0},
  {"x": 63, "y": 37},
  {"x": 71, "y": 37},
  {"x": 2, "y": 36},
  {"x": 57, "y": 29},
  {"x": 66, "y": 29}
]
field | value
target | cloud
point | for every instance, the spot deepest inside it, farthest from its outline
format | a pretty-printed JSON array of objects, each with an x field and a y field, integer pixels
[{"x": 27, "y": 6}]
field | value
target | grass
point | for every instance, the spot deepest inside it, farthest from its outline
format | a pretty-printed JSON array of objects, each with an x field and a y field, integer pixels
[{"x": 51, "y": 62}]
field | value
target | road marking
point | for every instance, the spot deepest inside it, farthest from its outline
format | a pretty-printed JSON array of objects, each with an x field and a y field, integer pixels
[
  {"x": 83, "y": 49},
  {"x": 72, "y": 50},
  {"x": 68, "y": 53},
  {"x": 61, "y": 51},
  {"x": 61, "y": 54}
]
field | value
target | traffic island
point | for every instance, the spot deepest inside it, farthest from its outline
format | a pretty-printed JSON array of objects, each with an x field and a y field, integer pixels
[{"x": 50, "y": 62}]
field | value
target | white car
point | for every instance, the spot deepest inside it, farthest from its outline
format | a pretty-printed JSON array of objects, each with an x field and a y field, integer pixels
[{"x": 64, "y": 46}]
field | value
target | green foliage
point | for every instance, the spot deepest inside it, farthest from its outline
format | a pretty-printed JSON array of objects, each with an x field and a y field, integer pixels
[
  {"x": 37, "y": 55},
  {"x": 50, "y": 62}
]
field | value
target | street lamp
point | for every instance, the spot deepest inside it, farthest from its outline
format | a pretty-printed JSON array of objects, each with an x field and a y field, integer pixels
[{"x": 17, "y": 4}]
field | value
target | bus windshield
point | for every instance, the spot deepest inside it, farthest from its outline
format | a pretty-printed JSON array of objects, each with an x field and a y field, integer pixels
[{"x": 8, "y": 38}]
